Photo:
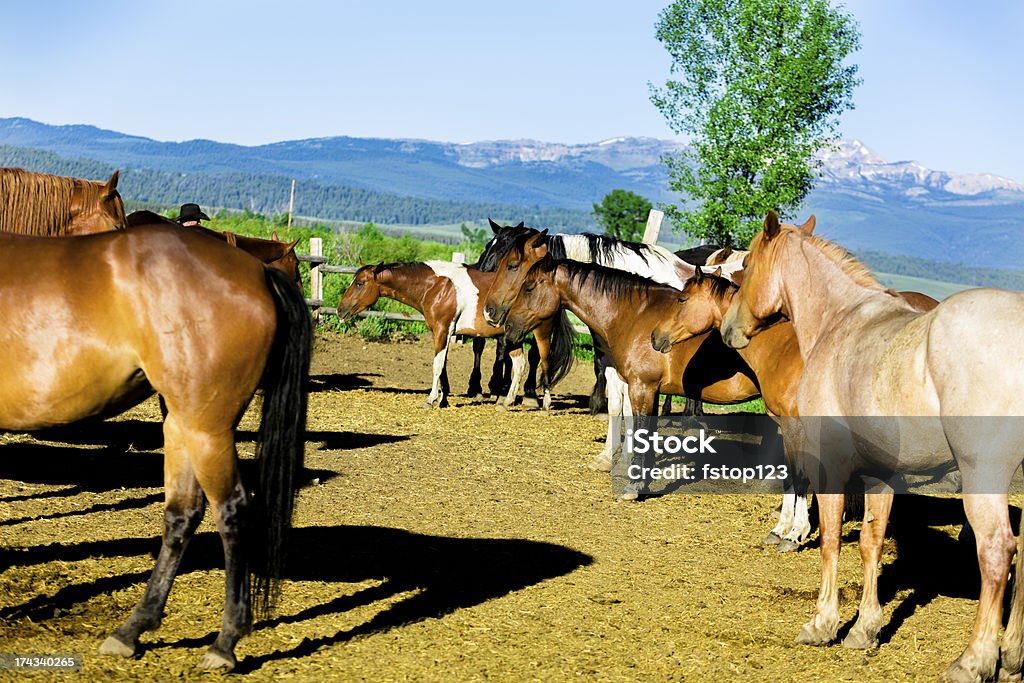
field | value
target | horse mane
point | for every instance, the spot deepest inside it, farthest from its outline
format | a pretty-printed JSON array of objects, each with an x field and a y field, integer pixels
[
  {"x": 37, "y": 203},
  {"x": 500, "y": 244},
  {"x": 857, "y": 271},
  {"x": 719, "y": 287},
  {"x": 604, "y": 249},
  {"x": 619, "y": 285}
]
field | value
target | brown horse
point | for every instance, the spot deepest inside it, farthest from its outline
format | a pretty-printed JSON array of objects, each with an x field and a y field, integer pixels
[
  {"x": 450, "y": 296},
  {"x": 273, "y": 252},
  {"x": 50, "y": 205},
  {"x": 169, "y": 311},
  {"x": 912, "y": 385},
  {"x": 774, "y": 356},
  {"x": 623, "y": 309}
]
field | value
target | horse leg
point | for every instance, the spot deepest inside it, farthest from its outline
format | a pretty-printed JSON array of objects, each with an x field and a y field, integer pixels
[
  {"x": 475, "y": 390},
  {"x": 821, "y": 629},
  {"x": 616, "y": 393},
  {"x": 438, "y": 397},
  {"x": 989, "y": 517},
  {"x": 800, "y": 524},
  {"x": 518, "y": 364},
  {"x": 184, "y": 504},
  {"x": 693, "y": 407},
  {"x": 666, "y": 408},
  {"x": 542, "y": 339},
  {"x": 1012, "y": 654},
  {"x": 641, "y": 401},
  {"x": 877, "y": 506},
  {"x": 533, "y": 361},
  {"x": 598, "y": 399},
  {"x": 786, "y": 514},
  {"x": 794, "y": 535},
  {"x": 496, "y": 385}
]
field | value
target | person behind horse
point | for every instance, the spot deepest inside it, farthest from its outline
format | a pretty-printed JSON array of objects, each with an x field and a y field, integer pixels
[{"x": 189, "y": 216}]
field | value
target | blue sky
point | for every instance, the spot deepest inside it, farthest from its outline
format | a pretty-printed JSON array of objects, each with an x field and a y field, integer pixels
[{"x": 942, "y": 78}]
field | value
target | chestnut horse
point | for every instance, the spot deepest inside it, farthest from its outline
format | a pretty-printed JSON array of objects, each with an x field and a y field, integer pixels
[
  {"x": 450, "y": 296},
  {"x": 273, "y": 252},
  {"x": 170, "y": 311},
  {"x": 774, "y": 356},
  {"x": 871, "y": 358},
  {"x": 51, "y": 205},
  {"x": 623, "y": 309}
]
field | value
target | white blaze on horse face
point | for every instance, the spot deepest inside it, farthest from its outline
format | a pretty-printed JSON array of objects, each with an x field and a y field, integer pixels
[{"x": 466, "y": 293}]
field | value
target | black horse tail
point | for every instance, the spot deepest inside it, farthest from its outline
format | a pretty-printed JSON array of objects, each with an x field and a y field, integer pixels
[
  {"x": 281, "y": 443},
  {"x": 563, "y": 349}
]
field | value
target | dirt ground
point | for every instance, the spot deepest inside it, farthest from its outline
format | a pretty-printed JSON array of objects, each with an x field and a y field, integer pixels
[{"x": 460, "y": 544}]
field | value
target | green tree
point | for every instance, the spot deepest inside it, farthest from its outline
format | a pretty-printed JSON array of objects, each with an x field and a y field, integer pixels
[
  {"x": 476, "y": 237},
  {"x": 623, "y": 214},
  {"x": 758, "y": 86}
]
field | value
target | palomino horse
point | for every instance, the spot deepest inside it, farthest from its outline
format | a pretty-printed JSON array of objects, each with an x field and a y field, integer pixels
[
  {"x": 525, "y": 246},
  {"x": 168, "y": 311},
  {"x": 449, "y": 296},
  {"x": 774, "y": 356},
  {"x": 623, "y": 309},
  {"x": 273, "y": 252},
  {"x": 51, "y": 205},
  {"x": 869, "y": 354}
]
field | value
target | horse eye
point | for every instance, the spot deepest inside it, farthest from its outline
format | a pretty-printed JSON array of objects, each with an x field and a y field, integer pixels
[
  {"x": 359, "y": 284},
  {"x": 512, "y": 266},
  {"x": 530, "y": 288},
  {"x": 681, "y": 300}
]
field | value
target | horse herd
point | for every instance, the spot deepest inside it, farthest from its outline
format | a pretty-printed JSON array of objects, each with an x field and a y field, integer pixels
[{"x": 203, "y": 319}]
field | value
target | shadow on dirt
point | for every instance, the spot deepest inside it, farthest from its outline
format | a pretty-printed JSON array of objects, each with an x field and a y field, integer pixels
[{"x": 442, "y": 574}]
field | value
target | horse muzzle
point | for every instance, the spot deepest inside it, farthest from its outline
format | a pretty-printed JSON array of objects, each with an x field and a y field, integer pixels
[
  {"x": 495, "y": 315},
  {"x": 660, "y": 342}
]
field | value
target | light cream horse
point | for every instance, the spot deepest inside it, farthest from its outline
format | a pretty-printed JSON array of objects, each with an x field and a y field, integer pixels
[{"x": 912, "y": 385}]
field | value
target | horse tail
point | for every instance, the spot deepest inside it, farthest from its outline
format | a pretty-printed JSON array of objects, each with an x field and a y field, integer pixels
[
  {"x": 281, "y": 442},
  {"x": 563, "y": 349}
]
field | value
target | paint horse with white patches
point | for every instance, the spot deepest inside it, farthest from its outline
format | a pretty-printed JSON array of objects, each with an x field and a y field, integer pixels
[
  {"x": 910, "y": 383},
  {"x": 449, "y": 296}
]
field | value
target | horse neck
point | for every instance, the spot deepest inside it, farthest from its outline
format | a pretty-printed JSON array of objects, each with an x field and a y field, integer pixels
[
  {"x": 818, "y": 292},
  {"x": 597, "y": 309},
  {"x": 409, "y": 284}
]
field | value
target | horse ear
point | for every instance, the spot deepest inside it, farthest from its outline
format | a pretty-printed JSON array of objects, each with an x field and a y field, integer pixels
[
  {"x": 494, "y": 226},
  {"x": 724, "y": 254},
  {"x": 291, "y": 245},
  {"x": 274, "y": 236},
  {"x": 111, "y": 187},
  {"x": 771, "y": 225},
  {"x": 539, "y": 239},
  {"x": 520, "y": 225},
  {"x": 698, "y": 275},
  {"x": 718, "y": 272},
  {"x": 808, "y": 227}
]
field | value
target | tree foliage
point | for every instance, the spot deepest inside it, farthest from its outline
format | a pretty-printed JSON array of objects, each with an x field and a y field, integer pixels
[
  {"x": 623, "y": 214},
  {"x": 758, "y": 86}
]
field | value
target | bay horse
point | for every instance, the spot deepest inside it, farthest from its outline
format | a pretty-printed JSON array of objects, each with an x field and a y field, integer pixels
[
  {"x": 274, "y": 252},
  {"x": 51, "y": 205},
  {"x": 517, "y": 248},
  {"x": 449, "y": 296},
  {"x": 623, "y": 309},
  {"x": 917, "y": 376},
  {"x": 170, "y": 311},
  {"x": 774, "y": 356}
]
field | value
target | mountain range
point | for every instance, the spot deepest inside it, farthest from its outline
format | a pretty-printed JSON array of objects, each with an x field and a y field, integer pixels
[{"x": 861, "y": 200}]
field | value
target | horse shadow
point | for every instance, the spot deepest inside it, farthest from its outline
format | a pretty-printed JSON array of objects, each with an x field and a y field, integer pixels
[
  {"x": 340, "y": 381},
  {"x": 439, "y": 574}
]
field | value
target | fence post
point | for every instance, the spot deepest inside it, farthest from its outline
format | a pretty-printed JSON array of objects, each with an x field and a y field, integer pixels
[
  {"x": 316, "y": 278},
  {"x": 458, "y": 257},
  {"x": 653, "y": 228}
]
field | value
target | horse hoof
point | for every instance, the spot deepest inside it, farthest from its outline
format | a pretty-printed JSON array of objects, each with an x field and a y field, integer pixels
[
  {"x": 500, "y": 407},
  {"x": 813, "y": 635},
  {"x": 602, "y": 462},
  {"x": 771, "y": 539},
  {"x": 475, "y": 398},
  {"x": 216, "y": 661},
  {"x": 859, "y": 640},
  {"x": 600, "y": 417},
  {"x": 627, "y": 497},
  {"x": 426, "y": 405},
  {"x": 531, "y": 403},
  {"x": 787, "y": 546},
  {"x": 116, "y": 648},
  {"x": 957, "y": 673},
  {"x": 1005, "y": 675}
]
